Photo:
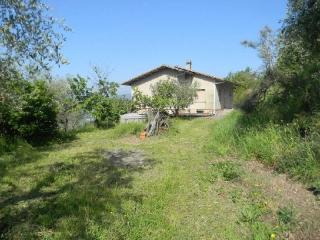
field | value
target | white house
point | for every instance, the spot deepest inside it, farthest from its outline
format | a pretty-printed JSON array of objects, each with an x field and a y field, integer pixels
[{"x": 213, "y": 93}]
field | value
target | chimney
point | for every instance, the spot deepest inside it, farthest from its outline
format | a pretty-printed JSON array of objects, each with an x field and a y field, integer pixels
[{"x": 189, "y": 63}]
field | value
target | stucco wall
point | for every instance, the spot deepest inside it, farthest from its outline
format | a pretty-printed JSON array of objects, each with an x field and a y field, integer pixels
[
  {"x": 145, "y": 85},
  {"x": 204, "y": 102}
]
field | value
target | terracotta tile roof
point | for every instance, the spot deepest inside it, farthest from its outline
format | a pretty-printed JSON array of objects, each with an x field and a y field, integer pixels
[{"x": 175, "y": 68}]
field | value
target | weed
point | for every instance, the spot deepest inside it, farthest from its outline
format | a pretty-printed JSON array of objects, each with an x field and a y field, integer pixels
[
  {"x": 252, "y": 213},
  {"x": 285, "y": 215},
  {"x": 236, "y": 195},
  {"x": 227, "y": 170}
]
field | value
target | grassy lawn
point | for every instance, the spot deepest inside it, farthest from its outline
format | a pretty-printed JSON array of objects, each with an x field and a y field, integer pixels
[{"x": 107, "y": 185}]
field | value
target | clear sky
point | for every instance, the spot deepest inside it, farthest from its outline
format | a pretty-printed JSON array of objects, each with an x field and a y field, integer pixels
[{"x": 128, "y": 37}]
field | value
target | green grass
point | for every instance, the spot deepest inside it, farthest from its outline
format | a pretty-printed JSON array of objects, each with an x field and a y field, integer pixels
[
  {"x": 278, "y": 146},
  {"x": 184, "y": 191},
  {"x": 126, "y": 129}
]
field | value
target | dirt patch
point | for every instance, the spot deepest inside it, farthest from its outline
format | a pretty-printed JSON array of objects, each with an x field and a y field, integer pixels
[{"x": 128, "y": 158}]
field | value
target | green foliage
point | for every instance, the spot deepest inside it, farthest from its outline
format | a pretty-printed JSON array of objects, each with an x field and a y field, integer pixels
[
  {"x": 282, "y": 129},
  {"x": 37, "y": 118},
  {"x": 28, "y": 34},
  {"x": 30, "y": 42},
  {"x": 106, "y": 111},
  {"x": 302, "y": 24},
  {"x": 105, "y": 87},
  {"x": 267, "y": 47},
  {"x": 167, "y": 95},
  {"x": 163, "y": 94},
  {"x": 125, "y": 129},
  {"x": 70, "y": 115},
  {"x": 34, "y": 117},
  {"x": 102, "y": 109},
  {"x": 253, "y": 212},
  {"x": 79, "y": 89},
  {"x": 100, "y": 101},
  {"x": 291, "y": 63},
  {"x": 245, "y": 82}
]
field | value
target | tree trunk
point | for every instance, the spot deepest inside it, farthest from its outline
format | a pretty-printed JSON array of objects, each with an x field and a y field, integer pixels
[{"x": 153, "y": 126}]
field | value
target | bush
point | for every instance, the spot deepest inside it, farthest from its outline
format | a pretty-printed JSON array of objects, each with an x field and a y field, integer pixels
[
  {"x": 106, "y": 111},
  {"x": 38, "y": 117},
  {"x": 34, "y": 116}
]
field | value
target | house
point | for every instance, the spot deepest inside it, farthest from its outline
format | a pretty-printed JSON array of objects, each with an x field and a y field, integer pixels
[{"x": 213, "y": 94}]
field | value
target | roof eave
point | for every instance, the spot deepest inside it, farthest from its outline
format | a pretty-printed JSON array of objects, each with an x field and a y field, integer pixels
[{"x": 148, "y": 73}]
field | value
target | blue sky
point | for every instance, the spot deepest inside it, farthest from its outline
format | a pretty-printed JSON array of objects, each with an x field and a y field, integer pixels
[{"x": 128, "y": 37}]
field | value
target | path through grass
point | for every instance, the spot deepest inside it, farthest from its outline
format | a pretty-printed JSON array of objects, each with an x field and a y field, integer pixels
[{"x": 175, "y": 190}]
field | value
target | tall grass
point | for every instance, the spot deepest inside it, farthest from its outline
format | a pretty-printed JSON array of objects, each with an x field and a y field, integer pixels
[
  {"x": 280, "y": 146},
  {"x": 125, "y": 129}
]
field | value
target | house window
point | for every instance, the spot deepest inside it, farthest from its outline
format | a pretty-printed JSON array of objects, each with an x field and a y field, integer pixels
[{"x": 200, "y": 111}]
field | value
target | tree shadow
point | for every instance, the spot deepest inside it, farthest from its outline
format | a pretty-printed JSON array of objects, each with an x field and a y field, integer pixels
[
  {"x": 71, "y": 199},
  {"x": 20, "y": 152}
]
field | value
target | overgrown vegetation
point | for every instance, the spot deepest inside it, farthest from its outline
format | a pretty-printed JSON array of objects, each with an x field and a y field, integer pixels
[
  {"x": 245, "y": 83},
  {"x": 277, "y": 145},
  {"x": 280, "y": 125}
]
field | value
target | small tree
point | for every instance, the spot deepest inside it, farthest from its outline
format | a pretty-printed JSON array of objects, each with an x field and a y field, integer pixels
[
  {"x": 184, "y": 96},
  {"x": 104, "y": 104},
  {"x": 268, "y": 48},
  {"x": 172, "y": 95},
  {"x": 105, "y": 87},
  {"x": 70, "y": 111},
  {"x": 79, "y": 89},
  {"x": 167, "y": 96}
]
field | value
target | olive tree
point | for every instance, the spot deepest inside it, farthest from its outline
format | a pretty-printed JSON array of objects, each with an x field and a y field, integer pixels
[
  {"x": 28, "y": 33},
  {"x": 30, "y": 41},
  {"x": 168, "y": 96}
]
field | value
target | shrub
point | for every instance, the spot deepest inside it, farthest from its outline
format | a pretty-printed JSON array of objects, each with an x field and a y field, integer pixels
[
  {"x": 106, "y": 111},
  {"x": 34, "y": 116},
  {"x": 37, "y": 119}
]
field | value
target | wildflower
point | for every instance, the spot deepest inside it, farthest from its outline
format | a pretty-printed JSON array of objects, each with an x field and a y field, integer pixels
[{"x": 273, "y": 236}]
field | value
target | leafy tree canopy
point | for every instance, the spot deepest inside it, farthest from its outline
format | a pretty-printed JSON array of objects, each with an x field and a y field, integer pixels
[
  {"x": 28, "y": 34},
  {"x": 167, "y": 95}
]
